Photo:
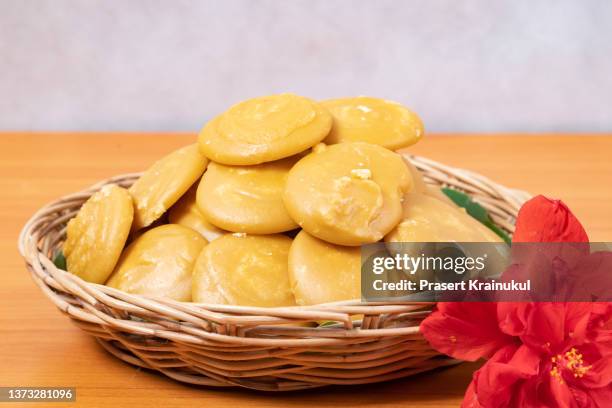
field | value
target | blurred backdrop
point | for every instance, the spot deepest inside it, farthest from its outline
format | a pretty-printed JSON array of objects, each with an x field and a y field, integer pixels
[{"x": 469, "y": 65}]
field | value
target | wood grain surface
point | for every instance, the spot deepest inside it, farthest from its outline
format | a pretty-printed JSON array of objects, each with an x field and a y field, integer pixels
[{"x": 40, "y": 347}]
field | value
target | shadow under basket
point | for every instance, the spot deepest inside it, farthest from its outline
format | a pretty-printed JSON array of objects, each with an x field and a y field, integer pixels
[{"x": 256, "y": 348}]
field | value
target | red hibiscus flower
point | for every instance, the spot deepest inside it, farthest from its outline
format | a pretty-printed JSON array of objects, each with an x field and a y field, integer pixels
[{"x": 539, "y": 354}]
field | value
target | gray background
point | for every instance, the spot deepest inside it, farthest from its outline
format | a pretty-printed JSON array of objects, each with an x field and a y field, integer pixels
[{"x": 170, "y": 65}]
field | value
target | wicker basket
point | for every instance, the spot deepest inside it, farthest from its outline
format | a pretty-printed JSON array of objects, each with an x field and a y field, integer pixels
[{"x": 257, "y": 348}]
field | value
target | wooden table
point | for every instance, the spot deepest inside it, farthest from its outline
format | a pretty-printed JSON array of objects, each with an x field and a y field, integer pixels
[{"x": 40, "y": 347}]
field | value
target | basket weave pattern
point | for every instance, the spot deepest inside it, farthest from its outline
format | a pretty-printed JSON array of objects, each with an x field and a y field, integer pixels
[{"x": 258, "y": 348}]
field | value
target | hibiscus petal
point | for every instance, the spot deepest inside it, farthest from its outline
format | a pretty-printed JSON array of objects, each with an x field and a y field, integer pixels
[
  {"x": 467, "y": 331},
  {"x": 559, "y": 394},
  {"x": 527, "y": 395},
  {"x": 600, "y": 374},
  {"x": 545, "y": 330},
  {"x": 601, "y": 396},
  {"x": 577, "y": 318},
  {"x": 603, "y": 338},
  {"x": 591, "y": 278},
  {"x": 470, "y": 399},
  {"x": 544, "y": 220},
  {"x": 581, "y": 398},
  {"x": 497, "y": 380},
  {"x": 602, "y": 312},
  {"x": 512, "y": 317}
]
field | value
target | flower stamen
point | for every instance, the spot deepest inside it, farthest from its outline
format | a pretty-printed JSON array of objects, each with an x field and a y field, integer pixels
[{"x": 572, "y": 361}]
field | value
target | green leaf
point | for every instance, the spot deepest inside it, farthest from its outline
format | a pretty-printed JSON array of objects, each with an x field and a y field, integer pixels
[
  {"x": 60, "y": 260},
  {"x": 476, "y": 210},
  {"x": 327, "y": 323}
]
